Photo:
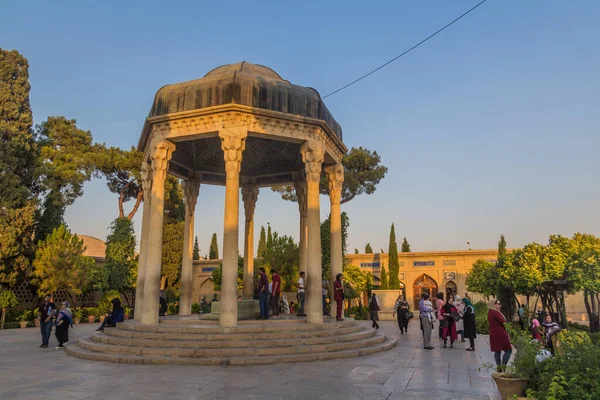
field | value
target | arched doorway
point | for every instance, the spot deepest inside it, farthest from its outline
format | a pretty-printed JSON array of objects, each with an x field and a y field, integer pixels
[
  {"x": 451, "y": 289},
  {"x": 424, "y": 284}
]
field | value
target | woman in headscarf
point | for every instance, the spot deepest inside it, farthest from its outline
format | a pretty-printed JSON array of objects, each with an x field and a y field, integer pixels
[
  {"x": 469, "y": 324},
  {"x": 460, "y": 306},
  {"x": 439, "y": 304},
  {"x": 499, "y": 339},
  {"x": 449, "y": 313},
  {"x": 550, "y": 333},
  {"x": 64, "y": 319},
  {"x": 401, "y": 309},
  {"x": 117, "y": 315},
  {"x": 374, "y": 308},
  {"x": 535, "y": 330},
  {"x": 338, "y": 296}
]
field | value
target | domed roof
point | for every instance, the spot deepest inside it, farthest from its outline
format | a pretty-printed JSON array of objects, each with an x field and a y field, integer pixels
[{"x": 247, "y": 84}]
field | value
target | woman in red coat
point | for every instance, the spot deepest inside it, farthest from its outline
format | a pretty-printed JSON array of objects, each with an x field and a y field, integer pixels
[
  {"x": 338, "y": 296},
  {"x": 499, "y": 340},
  {"x": 449, "y": 323}
]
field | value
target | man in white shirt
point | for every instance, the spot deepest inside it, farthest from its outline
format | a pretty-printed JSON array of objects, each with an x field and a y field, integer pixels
[{"x": 300, "y": 285}]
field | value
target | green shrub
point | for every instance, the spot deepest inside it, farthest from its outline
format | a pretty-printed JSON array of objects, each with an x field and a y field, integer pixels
[
  {"x": 173, "y": 309},
  {"x": 12, "y": 316},
  {"x": 84, "y": 313},
  {"x": 195, "y": 308},
  {"x": 28, "y": 315},
  {"x": 93, "y": 311},
  {"x": 481, "y": 319},
  {"x": 106, "y": 302},
  {"x": 361, "y": 312},
  {"x": 573, "y": 374}
]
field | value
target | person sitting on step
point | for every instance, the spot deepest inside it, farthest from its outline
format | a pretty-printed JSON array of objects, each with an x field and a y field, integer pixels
[{"x": 117, "y": 315}]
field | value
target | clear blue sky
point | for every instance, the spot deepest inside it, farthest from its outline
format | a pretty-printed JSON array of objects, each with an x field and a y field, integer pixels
[{"x": 490, "y": 128}]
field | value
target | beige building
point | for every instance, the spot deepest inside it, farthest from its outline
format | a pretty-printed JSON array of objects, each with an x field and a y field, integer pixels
[{"x": 440, "y": 271}]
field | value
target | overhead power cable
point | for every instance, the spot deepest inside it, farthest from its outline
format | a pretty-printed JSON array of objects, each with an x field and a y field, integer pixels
[{"x": 406, "y": 51}]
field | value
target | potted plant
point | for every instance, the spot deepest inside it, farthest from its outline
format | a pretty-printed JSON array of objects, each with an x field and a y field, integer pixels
[
  {"x": 77, "y": 315},
  {"x": 513, "y": 381},
  {"x": 128, "y": 312},
  {"x": 23, "y": 319},
  {"x": 92, "y": 312}
]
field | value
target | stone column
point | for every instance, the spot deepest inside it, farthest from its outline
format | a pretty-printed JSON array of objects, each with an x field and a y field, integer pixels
[
  {"x": 335, "y": 177},
  {"x": 313, "y": 155},
  {"x": 300, "y": 186},
  {"x": 191, "y": 188},
  {"x": 160, "y": 154},
  {"x": 233, "y": 144},
  {"x": 146, "y": 175},
  {"x": 249, "y": 196}
]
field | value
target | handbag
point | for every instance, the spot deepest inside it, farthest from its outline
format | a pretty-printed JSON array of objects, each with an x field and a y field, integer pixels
[
  {"x": 409, "y": 315},
  {"x": 456, "y": 316}
]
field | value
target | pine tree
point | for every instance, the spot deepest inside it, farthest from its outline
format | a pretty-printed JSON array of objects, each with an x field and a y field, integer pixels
[
  {"x": 213, "y": 253},
  {"x": 368, "y": 249},
  {"x": 393, "y": 260},
  {"x": 405, "y": 246},
  {"x": 355, "y": 251},
  {"x": 501, "y": 250},
  {"x": 261, "y": 252},
  {"x": 269, "y": 239},
  {"x": 196, "y": 249},
  {"x": 384, "y": 279}
]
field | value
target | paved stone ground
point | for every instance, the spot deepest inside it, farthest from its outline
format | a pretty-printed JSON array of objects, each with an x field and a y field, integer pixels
[{"x": 405, "y": 372}]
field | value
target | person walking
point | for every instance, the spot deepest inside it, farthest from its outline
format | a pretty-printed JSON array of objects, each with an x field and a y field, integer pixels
[
  {"x": 469, "y": 324},
  {"x": 45, "y": 314},
  {"x": 300, "y": 286},
  {"x": 338, "y": 296},
  {"x": 116, "y": 315},
  {"x": 426, "y": 311},
  {"x": 439, "y": 305},
  {"x": 276, "y": 293},
  {"x": 324, "y": 291},
  {"x": 263, "y": 289},
  {"x": 401, "y": 309},
  {"x": 499, "y": 339},
  {"x": 460, "y": 306},
  {"x": 374, "y": 309},
  {"x": 450, "y": 314},
  {"x": 64, "y": 319}
]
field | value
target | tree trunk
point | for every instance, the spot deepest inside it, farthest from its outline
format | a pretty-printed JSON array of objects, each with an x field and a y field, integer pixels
[
  {"x": 121, "y": 198},
  {"x": 2, "y": 318},
  {"x": 138, "y": 200}
]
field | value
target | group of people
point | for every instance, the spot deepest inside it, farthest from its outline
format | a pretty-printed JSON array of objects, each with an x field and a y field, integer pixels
[
  {"x": 272, "y": 303},
  {"x": 61, "y": 319},
  {"x": 455, "y": 315}
]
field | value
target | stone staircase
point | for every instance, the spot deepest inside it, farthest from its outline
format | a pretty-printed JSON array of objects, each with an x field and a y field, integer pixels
[{"x": 189, "y": 341}]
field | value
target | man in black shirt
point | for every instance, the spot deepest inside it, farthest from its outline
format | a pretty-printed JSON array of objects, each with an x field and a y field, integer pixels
[{"x": 46, "y": 313}]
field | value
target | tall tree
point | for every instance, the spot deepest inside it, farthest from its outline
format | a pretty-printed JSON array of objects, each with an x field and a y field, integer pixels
[
  {"x": 326, "y": 241},
  {"x": 384, "y": 279},
  {"x": 173, "y": 226},
  {"x": 355, "y": 251},
  {"x": 505, "y": 292},
  {"x": 196, "y": 249},
  {"x": 284, "y": 256},
  {"x": 18, "y": 160},
  {"x": 60, "y": 264},
  {"x": 393, "y": 262},
  {"x": 262, "y": 244},
  {"x": 584, "y": 271},
  {"x": 405, "y": 246},
  {"x": 67, "y": 160},
  {"x": 362, "y": 173},
  {"x": 269, "y": 239},
  {"x": 120, "y": 260},
  {"x": 368, "y": 248},
  {"x": 213, "y": 253},
  {"x": 356, "y": 282},
  {"x": 121, "y": 168}
]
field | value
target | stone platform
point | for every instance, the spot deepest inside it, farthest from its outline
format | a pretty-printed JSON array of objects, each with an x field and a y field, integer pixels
[
  {"x": 190, "y": 341},
  {"x": 247, "y": 309}
]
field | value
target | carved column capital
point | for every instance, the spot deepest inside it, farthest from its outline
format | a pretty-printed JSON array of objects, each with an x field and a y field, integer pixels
[
  {"x": 160, "y": 155},
  {"x": 249, "y": 196},
  {"x": 313, "y": 155},
  {"x": 191, "y": 188},
  {"x": 146, "y": 178},
  {"x": 301, "y": 192},
  {"x": 335, "y": 178},
  {"x": 233, "y": 144}
]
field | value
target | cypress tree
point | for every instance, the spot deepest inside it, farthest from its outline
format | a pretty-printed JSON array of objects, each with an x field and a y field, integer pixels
[
  {"x": 269, "y": 239},
  {"x": 261, "y": 252},
  {"x": 384, "y": 279},
  {"x": 405, "y": 246},
  {"x": 196, "y": 249},
  {"x": 393, "y": 260},
  {"x": 213, "y": 253},
  {"x": 368, "y": 249},
  {"x": 355, "y": 251}
]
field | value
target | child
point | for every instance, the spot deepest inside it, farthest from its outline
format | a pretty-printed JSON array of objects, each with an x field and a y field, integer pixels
[{"x": 292, "y": 308}]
